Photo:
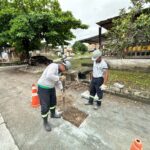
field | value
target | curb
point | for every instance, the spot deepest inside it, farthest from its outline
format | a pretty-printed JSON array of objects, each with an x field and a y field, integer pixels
[
  {"x": 131, "y": 97},
  {"x": 6, "y": 140},
  {"x": 11, "y": 67}
]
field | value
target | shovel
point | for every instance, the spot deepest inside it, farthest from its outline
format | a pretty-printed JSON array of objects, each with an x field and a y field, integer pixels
[{"x": 63, "y": 97}]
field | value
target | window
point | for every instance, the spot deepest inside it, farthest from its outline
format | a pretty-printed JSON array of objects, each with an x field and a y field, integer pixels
[
  {"x": 129, "y": 54},
  {"x": 147, "y": 53},
  {"x": 138, "y": 53},
  {"x": 143, "y": 53}
]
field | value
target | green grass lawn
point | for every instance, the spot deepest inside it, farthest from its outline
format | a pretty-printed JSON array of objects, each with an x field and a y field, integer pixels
[
  {"x": 131, "y": 79},
  {"x": 135, "y": 80}
]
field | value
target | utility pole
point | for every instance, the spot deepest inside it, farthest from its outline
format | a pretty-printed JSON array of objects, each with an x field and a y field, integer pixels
[
  {"x": 62, "y": 49},
  {"x": 100, "y": 33}
]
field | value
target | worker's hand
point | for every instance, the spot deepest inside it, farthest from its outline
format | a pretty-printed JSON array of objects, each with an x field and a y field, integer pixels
[
  {"x": 103, "y": 87},
  {"x": 62, "y": 78}
]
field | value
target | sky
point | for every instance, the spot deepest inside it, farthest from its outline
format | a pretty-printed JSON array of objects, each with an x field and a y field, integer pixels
[{"x": 92, "y": 11}]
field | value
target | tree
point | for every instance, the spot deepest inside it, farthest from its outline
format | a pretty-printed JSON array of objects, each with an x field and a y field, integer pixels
[
  {"x": 134, "y": 2},
  {"x": 5, "y": 17},
  {"x": 130, "y": 28},
  {"x": 79, "y": 47},
  {"x": 25, "y": 23}
]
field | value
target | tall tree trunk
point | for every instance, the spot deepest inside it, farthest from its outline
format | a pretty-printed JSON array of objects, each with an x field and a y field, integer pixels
[{"x": 25, "y": 54}]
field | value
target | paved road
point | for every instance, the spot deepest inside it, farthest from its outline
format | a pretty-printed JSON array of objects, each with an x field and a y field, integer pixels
[{"x": 113, "y": 127}]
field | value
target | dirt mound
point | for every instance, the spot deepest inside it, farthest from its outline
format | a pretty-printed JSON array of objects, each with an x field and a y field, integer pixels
[
  {"x": 68, "y": 102},
  {"x": 74, "y": 115},
  {"x": 70, "y": 113}
]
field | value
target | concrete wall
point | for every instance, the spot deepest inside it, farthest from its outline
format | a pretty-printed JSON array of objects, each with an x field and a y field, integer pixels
[
  {"x": 126, "y": 64},
  {"x": 129, "y": 64}
]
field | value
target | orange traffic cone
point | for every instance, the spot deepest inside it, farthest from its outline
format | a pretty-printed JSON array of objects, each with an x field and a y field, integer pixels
[
  {"x": 136, "y": 145},
  {"x": 35, "y": 99}
]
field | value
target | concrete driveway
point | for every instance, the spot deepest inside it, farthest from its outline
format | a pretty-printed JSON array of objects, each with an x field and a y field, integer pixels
[{"x": 113, "y": 127}]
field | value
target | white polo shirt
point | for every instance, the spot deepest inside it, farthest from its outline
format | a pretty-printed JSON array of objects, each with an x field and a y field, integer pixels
[{"x": 99, "y": 68}]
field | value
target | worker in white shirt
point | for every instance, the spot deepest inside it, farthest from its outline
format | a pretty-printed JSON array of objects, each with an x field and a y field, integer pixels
[
  {"x": 46, "y": 90},
  {"x": 99, "y": 78},
  {"x": 5, "y": 56}
]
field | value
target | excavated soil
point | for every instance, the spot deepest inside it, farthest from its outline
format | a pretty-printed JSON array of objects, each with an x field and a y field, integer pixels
[
  {"x": 64, "y": 104},
  {"x": 69, "y": 99},
  {"x": 70, "y": 113},
  {"x": 74, "y": 116}
]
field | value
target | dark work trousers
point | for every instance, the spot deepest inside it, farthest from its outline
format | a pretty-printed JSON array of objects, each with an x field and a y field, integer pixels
[
  {"x": 95, "y": 89},
  {"x": 47, "y": 100}
]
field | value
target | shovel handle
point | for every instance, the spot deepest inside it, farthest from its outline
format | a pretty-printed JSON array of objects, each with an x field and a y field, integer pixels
[
  {"x": 63, "y": 98},
  {"x": 63, "y": 83}
]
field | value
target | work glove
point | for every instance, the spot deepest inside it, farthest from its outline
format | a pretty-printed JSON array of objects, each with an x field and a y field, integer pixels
[
  {"x": 103, "y": 87},
  {"x": 62, "y": 78}
]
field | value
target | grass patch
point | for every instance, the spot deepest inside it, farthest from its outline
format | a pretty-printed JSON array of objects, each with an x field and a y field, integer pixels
[{"x": 135, "y": 80}]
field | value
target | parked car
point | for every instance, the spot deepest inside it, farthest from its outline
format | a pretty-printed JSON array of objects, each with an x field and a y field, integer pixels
[{"x": 36, "y": 60}]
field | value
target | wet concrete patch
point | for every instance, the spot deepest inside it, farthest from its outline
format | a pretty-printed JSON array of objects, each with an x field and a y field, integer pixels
[{"x": 74, "y": 116}]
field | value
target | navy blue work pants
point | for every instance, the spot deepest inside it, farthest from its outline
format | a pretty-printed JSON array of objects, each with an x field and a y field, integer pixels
[
  {"x": 47, "y": 100},
  {"x": 95, "y": 89}
]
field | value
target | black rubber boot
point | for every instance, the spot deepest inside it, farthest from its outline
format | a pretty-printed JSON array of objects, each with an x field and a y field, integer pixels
[
  {"x": 46, "y": 124},
  {"x": 90, "y": 102},
  {"x": 99, "y": 103},
  {"x": 97, "y": 106},
  {"x": 54, "y": 114}
]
